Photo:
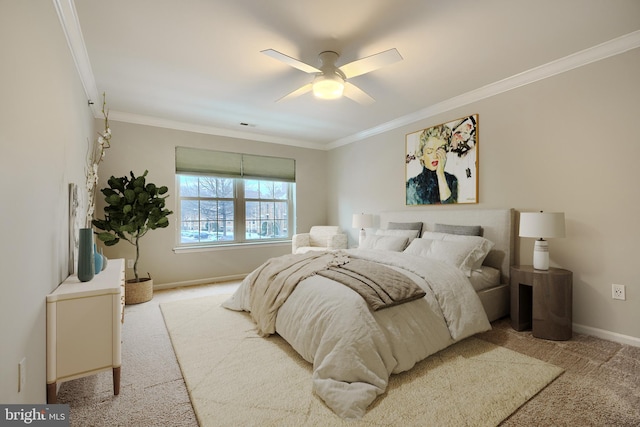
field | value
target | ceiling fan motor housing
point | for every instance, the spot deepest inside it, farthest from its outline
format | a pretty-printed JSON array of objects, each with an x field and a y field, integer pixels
[{"x": 329, "y": 84}]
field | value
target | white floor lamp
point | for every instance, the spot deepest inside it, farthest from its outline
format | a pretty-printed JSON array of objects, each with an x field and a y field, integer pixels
[{"x": 541, "y": 225}]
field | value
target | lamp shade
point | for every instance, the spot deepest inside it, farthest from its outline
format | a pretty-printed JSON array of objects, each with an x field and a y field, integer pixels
[
  {"x": 362, "y": 220},
  {"x": 328, "y": 86},
  {"x": 542, "y": 225}
]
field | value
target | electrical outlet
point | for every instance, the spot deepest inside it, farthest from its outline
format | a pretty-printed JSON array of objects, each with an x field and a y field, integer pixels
[
  {"x": 130, "y": 263},
  {"x": 618, "y": 292},
  {"x": 22, "y": 374}
]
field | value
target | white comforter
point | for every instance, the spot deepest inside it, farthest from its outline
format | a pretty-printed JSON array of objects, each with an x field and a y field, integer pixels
[{"x": 354, "y": 349}]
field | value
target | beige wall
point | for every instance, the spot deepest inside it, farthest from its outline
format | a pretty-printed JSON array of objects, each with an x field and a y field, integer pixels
[
  {"x": 568, "y": 143},
  {"x": 45, "y": 124},
  {"x": 138, "y": 147}
]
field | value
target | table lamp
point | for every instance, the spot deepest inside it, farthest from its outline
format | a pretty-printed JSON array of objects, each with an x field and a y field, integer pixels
[
  {"x": 541, "y": 225},
  {"x": 362, "y": 221}
]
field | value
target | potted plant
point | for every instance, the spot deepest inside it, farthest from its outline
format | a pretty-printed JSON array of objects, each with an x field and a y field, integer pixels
[{"x": 134, "y": 207}]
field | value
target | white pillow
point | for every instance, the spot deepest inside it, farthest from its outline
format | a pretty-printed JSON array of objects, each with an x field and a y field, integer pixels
[
  {"x": 384, "y": 243},
  {"x": 461, "y": 255},
  {"x": 409, "y": 234},
  {"x": 419, "y": 247},
  {"x": 481, "y": 248}
]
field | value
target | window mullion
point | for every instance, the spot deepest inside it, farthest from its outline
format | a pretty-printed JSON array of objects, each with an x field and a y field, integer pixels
[{"x": 239, "y": 209}]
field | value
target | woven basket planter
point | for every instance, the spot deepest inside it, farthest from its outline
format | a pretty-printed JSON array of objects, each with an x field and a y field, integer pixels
[{"x": 137, "y": 292}]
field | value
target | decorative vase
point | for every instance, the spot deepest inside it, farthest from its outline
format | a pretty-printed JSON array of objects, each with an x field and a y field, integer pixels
[
  {"x": 104, "y": 260},
  {"x": 97, "y": 257},
  {"x": 86, "y": 263}
]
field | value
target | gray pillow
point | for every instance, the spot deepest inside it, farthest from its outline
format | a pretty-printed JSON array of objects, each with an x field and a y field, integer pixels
[
  {"x": 463, "y": 230},
  {"x": 405, "y": 226}
]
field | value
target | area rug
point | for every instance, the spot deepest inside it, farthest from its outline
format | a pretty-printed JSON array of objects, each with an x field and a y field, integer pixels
[{"x": 234, "y": 377}]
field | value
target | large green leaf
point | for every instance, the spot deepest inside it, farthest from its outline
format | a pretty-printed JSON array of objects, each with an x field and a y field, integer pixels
[
  {"x": 144, "y": 197},
  {"x": 113, "y": 199},
  {"x": 108, "y": 238},
  {"x": 129, "y": 195}
]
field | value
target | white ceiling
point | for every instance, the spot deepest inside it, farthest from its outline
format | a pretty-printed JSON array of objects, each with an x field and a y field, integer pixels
[{"x": 196, "y": 64}]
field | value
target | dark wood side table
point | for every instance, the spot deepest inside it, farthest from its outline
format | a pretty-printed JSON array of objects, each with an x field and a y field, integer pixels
[{"x": 541, "y": 300}]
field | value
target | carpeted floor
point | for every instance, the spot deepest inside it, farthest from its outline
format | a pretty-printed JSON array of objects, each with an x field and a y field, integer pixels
[
  {"x": 600, "y": 386},
  {"x": 234, "y": 377}
]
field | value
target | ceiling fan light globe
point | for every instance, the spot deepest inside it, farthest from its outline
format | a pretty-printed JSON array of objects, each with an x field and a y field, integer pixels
[{"x": 328, "y": 87}]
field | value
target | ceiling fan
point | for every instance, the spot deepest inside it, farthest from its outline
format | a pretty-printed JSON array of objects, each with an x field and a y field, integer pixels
[{"x": 330, "y": 81}]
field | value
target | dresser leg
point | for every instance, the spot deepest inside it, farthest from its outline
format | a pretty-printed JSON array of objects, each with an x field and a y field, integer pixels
[
  {"x": 52, "y": 395},
  {"x": 116, "y": 380}
]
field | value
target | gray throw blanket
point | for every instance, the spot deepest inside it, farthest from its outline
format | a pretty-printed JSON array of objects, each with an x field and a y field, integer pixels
[{"x": 379, "y": 285}]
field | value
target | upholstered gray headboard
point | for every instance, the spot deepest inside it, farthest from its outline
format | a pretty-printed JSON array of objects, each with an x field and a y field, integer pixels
[{"x": 497, "y": 226}]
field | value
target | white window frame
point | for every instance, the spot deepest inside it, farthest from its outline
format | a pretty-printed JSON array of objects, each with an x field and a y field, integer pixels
[{"x": 239, "y": 217}]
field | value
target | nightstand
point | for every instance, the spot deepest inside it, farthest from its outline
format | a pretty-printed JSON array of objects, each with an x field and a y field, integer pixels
[{"x": 541, "y": 300}]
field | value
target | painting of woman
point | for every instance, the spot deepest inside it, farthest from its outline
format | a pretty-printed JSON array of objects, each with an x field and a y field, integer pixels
[{"x": 441, "y": 164}]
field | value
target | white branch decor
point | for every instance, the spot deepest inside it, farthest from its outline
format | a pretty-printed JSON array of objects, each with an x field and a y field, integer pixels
[{"x": 95, "y": 156}]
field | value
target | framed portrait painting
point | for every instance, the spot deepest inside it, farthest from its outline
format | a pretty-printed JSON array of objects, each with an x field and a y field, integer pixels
[{"x": 442, "y": 163}]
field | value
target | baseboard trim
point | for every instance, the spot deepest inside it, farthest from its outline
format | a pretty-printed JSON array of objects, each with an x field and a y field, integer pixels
[
  {"x": 210, "y": 280},
  {"x": 607, "y": 335}
]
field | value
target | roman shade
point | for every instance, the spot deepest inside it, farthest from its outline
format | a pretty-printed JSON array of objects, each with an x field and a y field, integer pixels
[{"x": 234, "y": 165}]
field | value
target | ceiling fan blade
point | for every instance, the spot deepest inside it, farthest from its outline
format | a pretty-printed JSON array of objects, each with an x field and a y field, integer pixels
[
  {"x": 290, "y": 61},
  {"x": 354, "y": 92},
  {"x": 300, "y": 91},
  {"x": 370, "y": 63}
]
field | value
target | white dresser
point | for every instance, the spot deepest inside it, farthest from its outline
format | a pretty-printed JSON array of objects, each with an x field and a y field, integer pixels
[{"x": 84, "y": 327}]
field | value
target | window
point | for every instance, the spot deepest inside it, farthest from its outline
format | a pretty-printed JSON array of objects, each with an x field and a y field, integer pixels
[
  {"x": 266, "y": 209},
  {"x": 224, "y": 200},
  {"x": 206, "y": 209}
]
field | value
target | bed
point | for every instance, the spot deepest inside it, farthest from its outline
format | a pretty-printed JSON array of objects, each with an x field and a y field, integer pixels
[
  {"x": 497, "y": 225},
  {"x": 354, "y": 344}
]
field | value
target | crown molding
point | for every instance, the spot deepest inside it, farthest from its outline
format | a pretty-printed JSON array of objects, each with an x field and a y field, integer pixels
[
  {"x": 140, "y": 119},
  {"x": 587, "y": 56},
  {"x": 72, "y": 31}
]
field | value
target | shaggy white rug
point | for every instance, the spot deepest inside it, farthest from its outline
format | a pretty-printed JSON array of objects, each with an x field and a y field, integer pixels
[{"x": 234, "y": 377}]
